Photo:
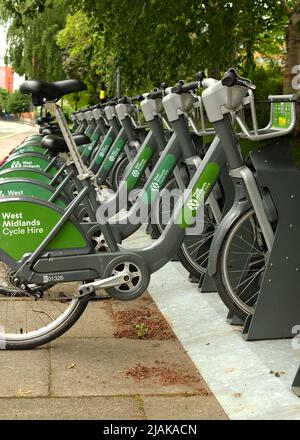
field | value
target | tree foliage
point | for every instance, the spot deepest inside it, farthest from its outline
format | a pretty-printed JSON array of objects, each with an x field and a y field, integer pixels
[
  {"x": 17, "y": 103},
  {"x": 3, "y": 98},
  {"x": 32, "y": 37},
  {"x": 150, "y": 41},
  {"x": 18, "y": 9},
  {"x": 82, "y": 48},
  {"x": 153, "y": 41}
]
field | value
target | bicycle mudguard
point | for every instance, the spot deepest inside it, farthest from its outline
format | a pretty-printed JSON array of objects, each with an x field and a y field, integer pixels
[
  {"x": 110, "y": 176},
  {"x": 29, "y": 149},
  {"x": 26, "y": 222},
  {"x": 27, "y": 145},
  {"x": 30, "y": 188},
  {"x": 241, "y": 204},
  {"x": 25, "y": 173},
  {"x": 30, "y": 160},
  {"x": 30, "y": 142}
]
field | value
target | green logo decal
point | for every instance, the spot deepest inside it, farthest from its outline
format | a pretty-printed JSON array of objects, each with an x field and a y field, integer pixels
[
  {"x": 282, "y": 114},
  {"x": 89, "y": 148},
  {"x": 24, "y": 225},
  {"x": 109, "y": 162},
  {"x": 103, "y": 150},
  {"x": 198, "y": 195},
  {"x": 37, "y": 163},
  {"x": 27, "y": 189},
  {"x": 30, "y": 149},
  {"x": 160, "y": 177},
  {"x": 95, "y": 136},
  {"x": 139, "y": 167}
]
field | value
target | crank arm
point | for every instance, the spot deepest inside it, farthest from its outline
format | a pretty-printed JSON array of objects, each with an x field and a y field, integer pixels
[{"x": 113, "y": 281}]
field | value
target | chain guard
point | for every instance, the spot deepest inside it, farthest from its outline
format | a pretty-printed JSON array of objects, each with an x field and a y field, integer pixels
[{"x": 139, "y": 277}]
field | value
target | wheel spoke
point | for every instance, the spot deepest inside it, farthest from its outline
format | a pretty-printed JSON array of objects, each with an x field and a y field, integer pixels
[
  {"x": 27, "y": 319},
  {"x": 244, "y": 262}
]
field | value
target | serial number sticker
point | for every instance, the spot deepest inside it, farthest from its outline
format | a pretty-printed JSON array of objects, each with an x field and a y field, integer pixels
[{"x": 52, "y": 278}]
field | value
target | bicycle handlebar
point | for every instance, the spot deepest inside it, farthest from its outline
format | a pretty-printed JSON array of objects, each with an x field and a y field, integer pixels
[
  {"x": 156, "y": 94},
  {"x": 137, "y": 98},
  {"x": 183, "y": 88},
  {"x": 231, "y": 78},
  {"x": 163, "y": 86},
  {"x": 128, "y": 100}
]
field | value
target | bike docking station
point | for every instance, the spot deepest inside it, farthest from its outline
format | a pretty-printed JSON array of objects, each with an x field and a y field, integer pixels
[
  {"x": 296, "y": 383},
  {"x": 277, "y": 309},
  {"x": 276, "y": 312}
]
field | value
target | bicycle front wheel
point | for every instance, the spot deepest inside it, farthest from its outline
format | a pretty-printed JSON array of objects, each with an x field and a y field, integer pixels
[
  {"x": 193, "y": 254},
  {"x": 241, "y": 265},
  {"x": 28, "y": 321}
]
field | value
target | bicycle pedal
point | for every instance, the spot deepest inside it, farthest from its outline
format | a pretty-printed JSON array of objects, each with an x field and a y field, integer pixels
[{"x": 115, "y": 280}]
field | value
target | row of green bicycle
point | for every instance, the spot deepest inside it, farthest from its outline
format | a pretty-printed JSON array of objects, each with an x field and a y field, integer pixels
[{"x": 205, "y": 203}]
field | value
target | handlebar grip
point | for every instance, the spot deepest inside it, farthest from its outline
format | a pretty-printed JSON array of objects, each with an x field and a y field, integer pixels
[
  {"x": 200, "y": 76},
  {"x": 110, "y": 102},
  {"x": 123, "y": 100},
  {"x": 229, "y": 78},
  {"x": 163, "y": 86},
  {"x": 137, "y": 98},
  {"x": 156, "y": 94},
  {"x": 185, "y": 88}
]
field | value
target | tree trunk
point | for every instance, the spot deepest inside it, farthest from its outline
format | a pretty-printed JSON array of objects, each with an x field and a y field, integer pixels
[{"x": 291, "y": 83}]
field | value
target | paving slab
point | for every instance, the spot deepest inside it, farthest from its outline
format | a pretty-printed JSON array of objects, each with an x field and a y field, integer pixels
[
  {"x": 121, "y": 366},
  {"x": 100, "y": 408},
  {"x": 95, "y": 322},
  {"x": 24, "y": 373},
  {"x": 183, "y": 408},
  {"x": 101, "y": 369},
  {"x": 238, "y": 372}
]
